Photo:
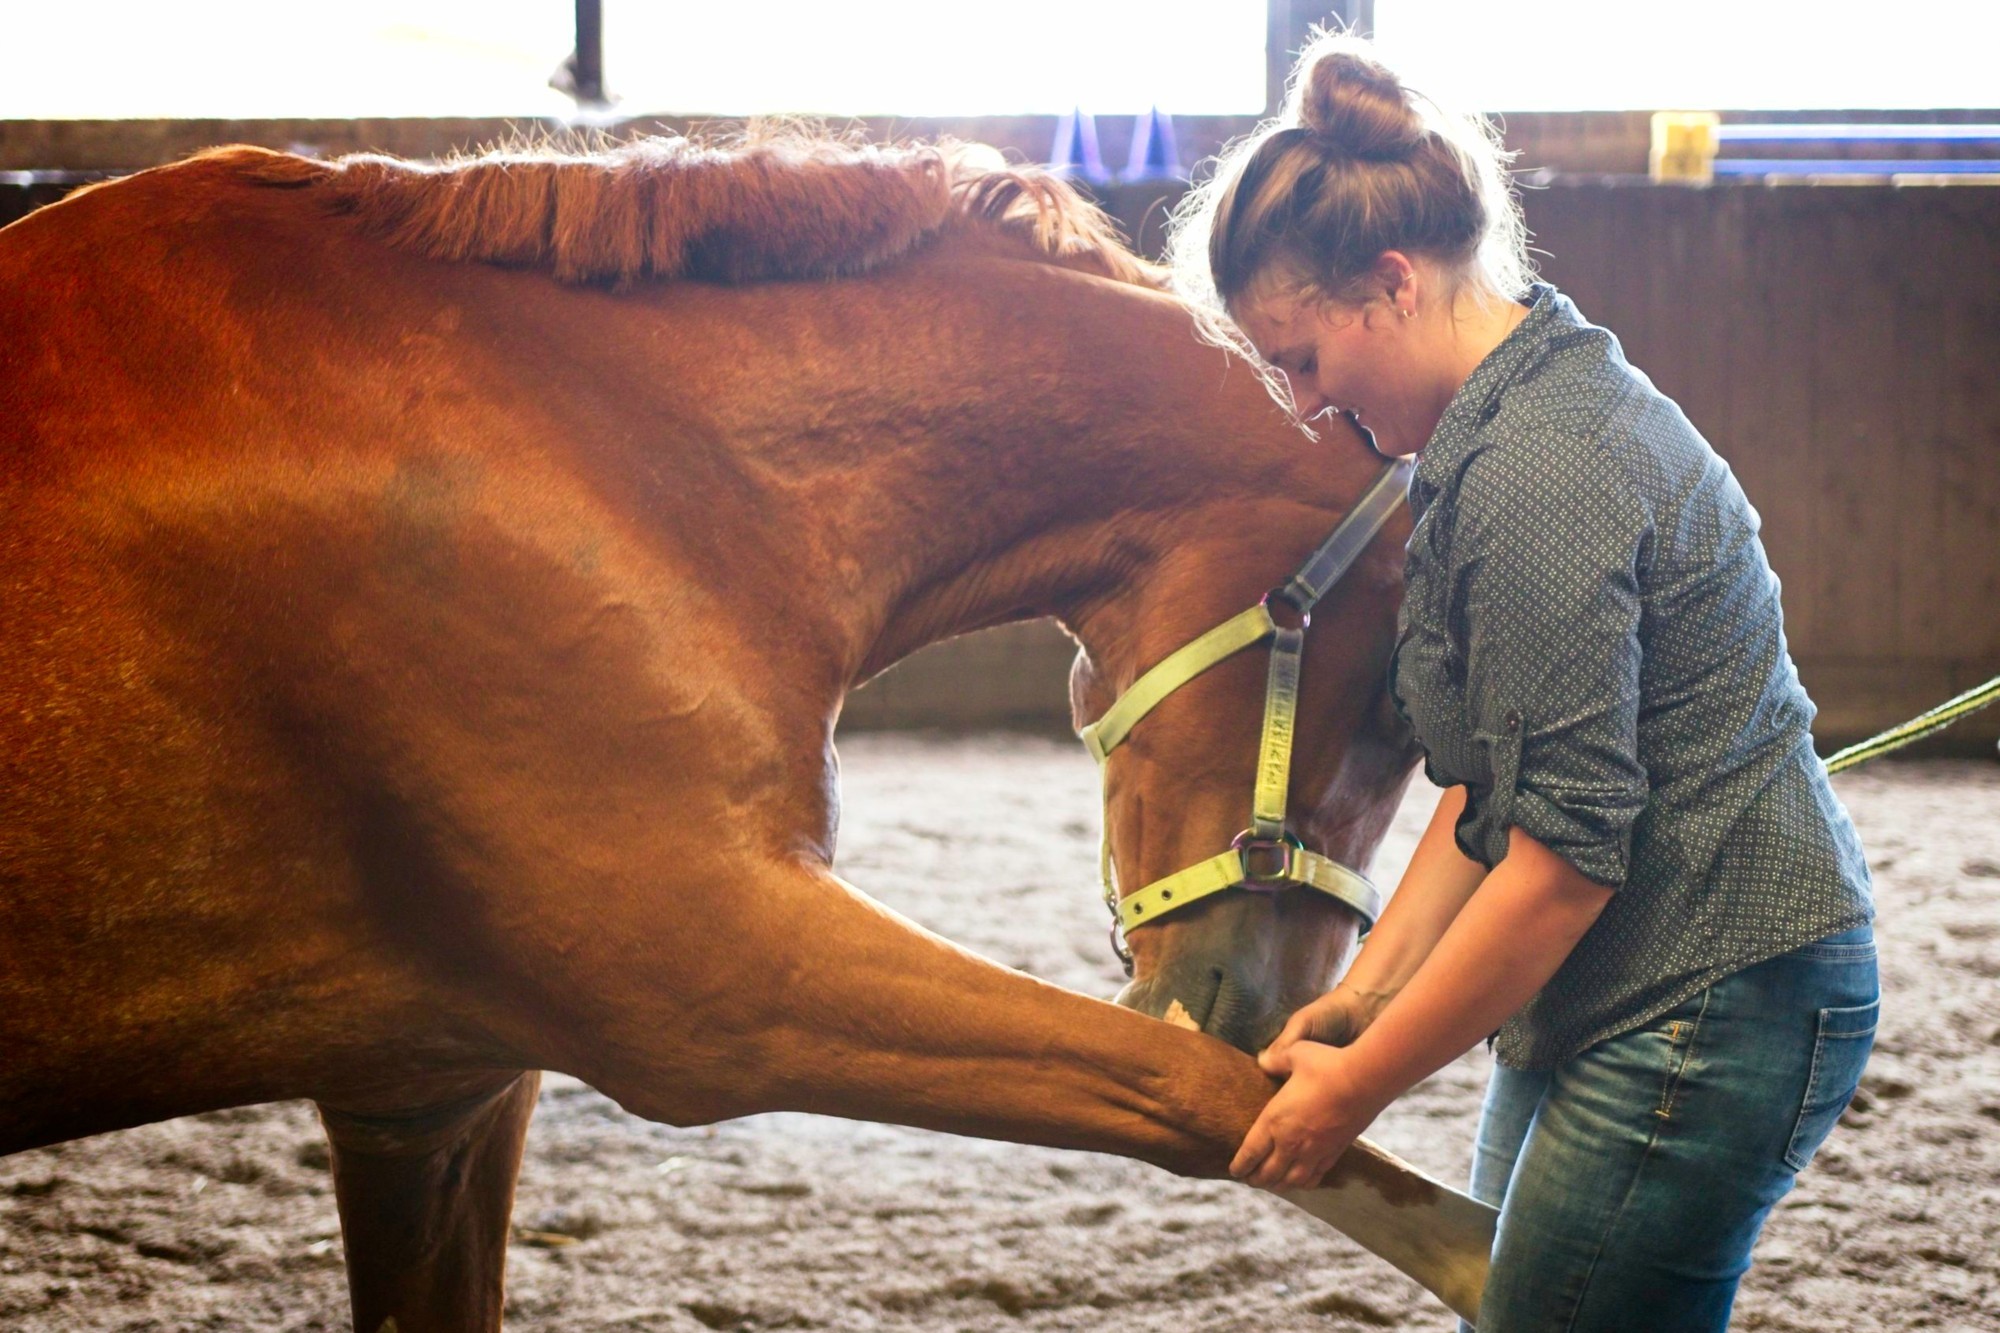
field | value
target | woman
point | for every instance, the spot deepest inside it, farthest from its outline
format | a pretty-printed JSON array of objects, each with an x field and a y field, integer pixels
[{"x": 1638, "y": 875}]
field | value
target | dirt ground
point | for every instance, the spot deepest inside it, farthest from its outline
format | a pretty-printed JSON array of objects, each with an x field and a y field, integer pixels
[{"x": 226, "y": 1221}]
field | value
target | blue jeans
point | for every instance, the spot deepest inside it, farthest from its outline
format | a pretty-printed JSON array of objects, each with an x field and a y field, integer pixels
[{"x": 1633, "y": 1178}]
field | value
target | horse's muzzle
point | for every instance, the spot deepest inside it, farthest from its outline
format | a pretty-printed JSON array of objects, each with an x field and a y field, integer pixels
[{"x": 1216, "y": 999}]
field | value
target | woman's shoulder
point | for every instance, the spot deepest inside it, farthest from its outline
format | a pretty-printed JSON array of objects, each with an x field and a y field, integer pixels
[
  {"x": 1577, "y": 385},
  {"x": 1573, "y": 440},
  {"x": 1583, "y": 387},
  {"x": 1562, "y": 476},
  {"x": 1587, "y": 425}
]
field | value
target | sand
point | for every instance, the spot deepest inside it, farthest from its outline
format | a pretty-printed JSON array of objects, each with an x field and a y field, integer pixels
[{"x": 226, "y": 1221}]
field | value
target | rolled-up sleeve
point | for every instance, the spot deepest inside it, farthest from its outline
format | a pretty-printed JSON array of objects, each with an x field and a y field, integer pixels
[{"x": 1550, "y": 548}]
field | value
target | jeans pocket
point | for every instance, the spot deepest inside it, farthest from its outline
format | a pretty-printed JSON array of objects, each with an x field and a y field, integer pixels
[{"x": 1840, "y": 1053}]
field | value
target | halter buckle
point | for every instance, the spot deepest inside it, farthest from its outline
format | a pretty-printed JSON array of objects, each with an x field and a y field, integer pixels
[{"x": 1262, "y": 873}]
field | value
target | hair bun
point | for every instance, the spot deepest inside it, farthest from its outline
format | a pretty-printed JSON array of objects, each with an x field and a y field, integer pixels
[{"x": 1352, "y": 102}]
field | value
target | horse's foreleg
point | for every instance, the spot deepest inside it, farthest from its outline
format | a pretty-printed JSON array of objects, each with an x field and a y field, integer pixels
[
  {"x": 1438, "y": 1236},
  {"x": 425, "y": 1199},
  {"x": 856, "y": 1012},
  {"x": 798, "y": 993}
]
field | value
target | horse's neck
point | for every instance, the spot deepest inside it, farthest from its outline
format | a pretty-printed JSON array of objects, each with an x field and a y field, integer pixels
[{"x": 1083, "y": 453}]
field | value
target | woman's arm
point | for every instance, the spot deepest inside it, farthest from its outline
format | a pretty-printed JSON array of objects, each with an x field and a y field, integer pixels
[
  {"x": 1505, "y": 943},
  {"x": 1433, "y": 890}
]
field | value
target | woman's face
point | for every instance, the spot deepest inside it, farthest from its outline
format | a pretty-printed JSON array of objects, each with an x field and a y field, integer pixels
[{"x": 1368, "y": 360}]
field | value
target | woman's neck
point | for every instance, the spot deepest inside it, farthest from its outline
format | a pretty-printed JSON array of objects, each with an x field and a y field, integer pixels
[{"x": 1466, "y": 334}]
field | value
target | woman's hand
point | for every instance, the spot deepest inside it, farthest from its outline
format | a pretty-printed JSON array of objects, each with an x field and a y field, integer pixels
[
  {"x": 1501, "y": 947},
  {"x": 1334, "y": 1019},
  {"x": 1309, "y": 1123}
]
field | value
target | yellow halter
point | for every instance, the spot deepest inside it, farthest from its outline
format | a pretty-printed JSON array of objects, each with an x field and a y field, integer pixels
[{"x": 1265, "y": 857}]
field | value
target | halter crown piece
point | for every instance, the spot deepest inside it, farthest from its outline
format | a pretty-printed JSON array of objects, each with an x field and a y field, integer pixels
[{"x": 1265, "y": 857}]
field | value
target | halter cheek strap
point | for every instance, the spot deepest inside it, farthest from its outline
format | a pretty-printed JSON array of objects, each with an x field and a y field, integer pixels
[{"x": 1265, "y": 857}]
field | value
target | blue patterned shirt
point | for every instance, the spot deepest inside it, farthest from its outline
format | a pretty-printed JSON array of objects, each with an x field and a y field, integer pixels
[{"x": 1591, "y": 644}]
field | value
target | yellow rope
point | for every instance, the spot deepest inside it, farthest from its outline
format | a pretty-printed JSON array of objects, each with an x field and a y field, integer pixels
[{"x": 1937, "y": 719}]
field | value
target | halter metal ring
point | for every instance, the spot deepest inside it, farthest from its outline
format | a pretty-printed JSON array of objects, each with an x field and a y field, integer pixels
[
  {"x": 1267, "y": 862},
  {"x": 1282, "y": 596}
]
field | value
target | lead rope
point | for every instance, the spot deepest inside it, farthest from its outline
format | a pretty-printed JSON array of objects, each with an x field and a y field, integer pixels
[{"x": 1918, "y": 727}]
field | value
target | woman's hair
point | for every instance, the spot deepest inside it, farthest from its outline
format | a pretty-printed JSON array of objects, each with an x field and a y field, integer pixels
[{"x": 1356, "y": 164}]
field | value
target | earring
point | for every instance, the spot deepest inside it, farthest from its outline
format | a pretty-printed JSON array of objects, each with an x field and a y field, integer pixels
[{"x": 1407, "y": 312}]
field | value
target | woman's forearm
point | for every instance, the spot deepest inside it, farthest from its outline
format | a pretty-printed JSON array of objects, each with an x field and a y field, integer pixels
[
  {"x": 1504, "y": 945},
  {"x": 1500, "y": 948},
  {"x": 1431, "y": 894},
  {"x": 1429, "y": 897}
]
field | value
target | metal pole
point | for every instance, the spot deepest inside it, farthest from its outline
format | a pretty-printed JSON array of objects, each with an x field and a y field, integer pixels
[
  {"x": 589, "y": 68},
  {"x": 1281, "y": 44},
  {"x": 1289, "y": 24}
]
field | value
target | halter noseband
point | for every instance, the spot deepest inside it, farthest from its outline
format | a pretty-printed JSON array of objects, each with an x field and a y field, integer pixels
[{"x": 1266, "y": 857}]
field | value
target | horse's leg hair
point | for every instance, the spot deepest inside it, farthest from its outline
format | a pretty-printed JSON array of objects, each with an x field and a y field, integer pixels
[{"x": 425, "y": 1202}]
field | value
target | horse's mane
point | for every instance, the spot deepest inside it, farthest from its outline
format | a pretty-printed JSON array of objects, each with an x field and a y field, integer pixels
[{"x": 786, "y": 204}]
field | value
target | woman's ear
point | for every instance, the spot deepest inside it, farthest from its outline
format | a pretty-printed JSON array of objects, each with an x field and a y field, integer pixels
[{"x": 1395, "y": 278}]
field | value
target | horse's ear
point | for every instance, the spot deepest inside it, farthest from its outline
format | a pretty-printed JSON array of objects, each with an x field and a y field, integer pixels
[
  {"x": 1085, "y": 689},
  {"x": 1046, "y": 213}
]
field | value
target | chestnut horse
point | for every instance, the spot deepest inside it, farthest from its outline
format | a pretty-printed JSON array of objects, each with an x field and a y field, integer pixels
[{"x": 419, "y": 673}]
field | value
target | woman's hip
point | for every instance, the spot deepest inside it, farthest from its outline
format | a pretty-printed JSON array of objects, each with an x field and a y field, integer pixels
[{"x": 1637, "y": 1174}]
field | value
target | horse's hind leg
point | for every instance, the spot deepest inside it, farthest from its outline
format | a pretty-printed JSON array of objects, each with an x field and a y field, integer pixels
[{"x": 425, "y": 1198}]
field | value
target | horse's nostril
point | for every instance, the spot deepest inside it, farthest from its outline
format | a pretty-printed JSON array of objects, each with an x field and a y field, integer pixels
[{"x": 1240, "y": 1015}]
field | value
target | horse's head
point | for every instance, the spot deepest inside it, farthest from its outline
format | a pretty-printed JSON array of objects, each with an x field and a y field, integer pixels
[{"x": 1191, "y": 778}]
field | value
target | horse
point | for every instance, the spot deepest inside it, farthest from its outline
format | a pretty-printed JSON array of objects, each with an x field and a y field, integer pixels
[{"x": 430, "y": 593}]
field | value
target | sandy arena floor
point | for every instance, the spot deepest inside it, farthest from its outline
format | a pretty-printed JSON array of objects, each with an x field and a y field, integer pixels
[{"x": 226, "y": 1221}]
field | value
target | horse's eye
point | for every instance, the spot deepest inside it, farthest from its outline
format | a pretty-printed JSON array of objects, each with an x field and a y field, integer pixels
[{"x": 1308, "y": 366}]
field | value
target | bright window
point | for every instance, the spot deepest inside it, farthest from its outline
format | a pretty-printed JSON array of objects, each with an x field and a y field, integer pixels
[
  {"x": 926, "y": 58},
  {"x": 282, "y": 58},
  {"x": 1610, "y": 55},
  {"x": 294, "y": 58}
]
